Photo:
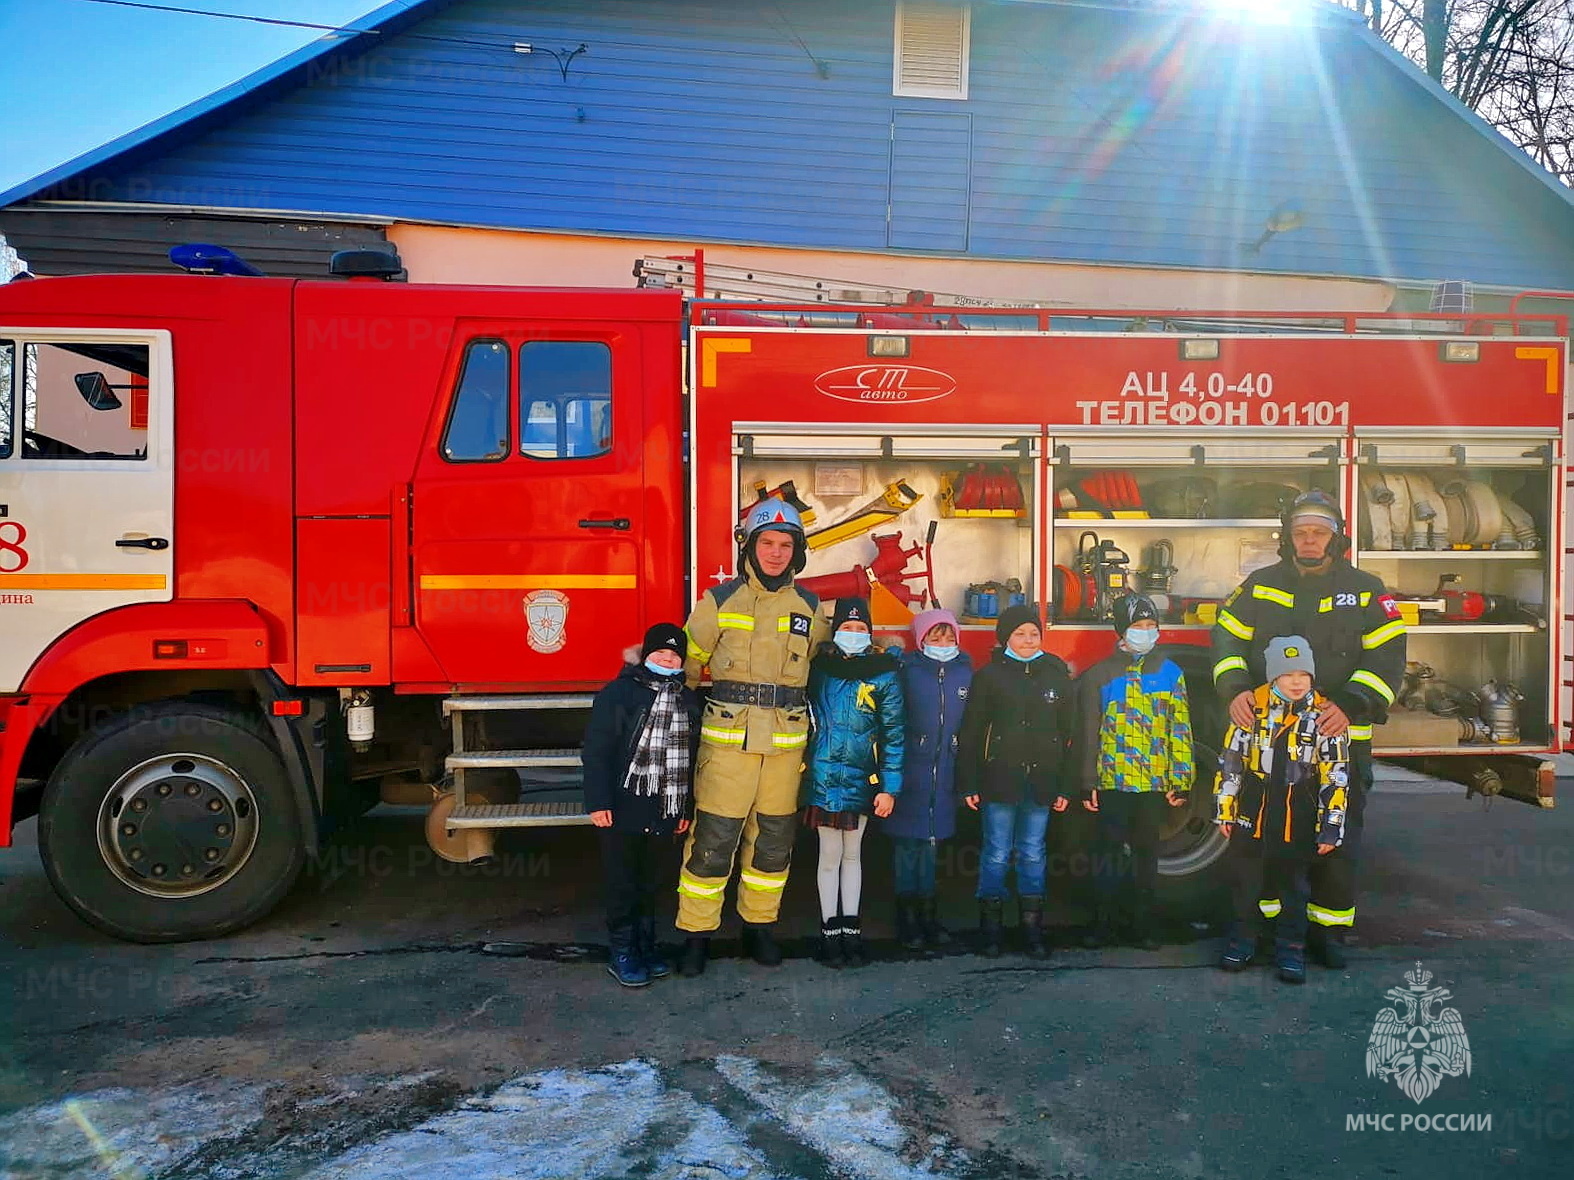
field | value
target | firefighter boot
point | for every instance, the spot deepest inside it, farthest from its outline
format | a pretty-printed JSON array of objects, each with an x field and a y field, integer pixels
[
  {"x": 760, "y": 946},
  {"x": 1033, "y": 928},
  {"x": 935, "y": 934},
  {"x": 696, "y": 949},
  {"x": 830, "y": 953},
  {"x": 1326, "y": 945},
  {"x": 624, "y": 964},
  {"x": 656, "y": 966},
  {"x": 909, "y": 933},
  {"x": 1290, "y": 959},
  {"x": 853, "y": 942},
  {"x": 989, "y": 927}
]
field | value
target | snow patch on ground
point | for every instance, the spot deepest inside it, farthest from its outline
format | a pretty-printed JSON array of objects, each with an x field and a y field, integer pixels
[
  {"x": 621, "y": 1120},
  {"x": 126, "y": 1133},
  {"x": 844, "y": 1116}
]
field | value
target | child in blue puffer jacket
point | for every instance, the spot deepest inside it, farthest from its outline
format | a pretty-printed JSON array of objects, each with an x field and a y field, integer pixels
[
  {"x": 935, "y": 683},
  {"x": 854, "y": 767}
]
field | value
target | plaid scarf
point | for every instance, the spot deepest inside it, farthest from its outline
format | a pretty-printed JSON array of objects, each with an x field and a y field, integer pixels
[{"x": 661, "y": 756}]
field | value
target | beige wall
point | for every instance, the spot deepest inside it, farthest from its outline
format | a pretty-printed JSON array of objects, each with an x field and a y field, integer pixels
[{"x": 435, "y": 254}]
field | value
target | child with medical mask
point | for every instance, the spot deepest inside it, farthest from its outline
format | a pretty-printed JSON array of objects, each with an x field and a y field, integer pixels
[
  {"x": 1012, "y": 758},
  {"x": 1136, "y": 762},
  {"x": 936, "y": 680},
  {"x": 854, "y": 767},
  {"x": 640, "y": 747}
]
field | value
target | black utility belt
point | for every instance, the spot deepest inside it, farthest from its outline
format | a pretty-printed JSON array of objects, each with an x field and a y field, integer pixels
[{"x": 765, "y": 696}]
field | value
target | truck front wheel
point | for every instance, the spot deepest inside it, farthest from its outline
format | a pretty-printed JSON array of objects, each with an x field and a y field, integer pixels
[{"x": 173, "y": 822}]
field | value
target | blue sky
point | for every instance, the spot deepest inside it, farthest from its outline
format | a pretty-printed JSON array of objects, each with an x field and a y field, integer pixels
[{"x": 78, "y": 74}]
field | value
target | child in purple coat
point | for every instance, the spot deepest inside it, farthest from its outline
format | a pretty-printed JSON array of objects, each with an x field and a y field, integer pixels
[{"x": 935, "y": 681}]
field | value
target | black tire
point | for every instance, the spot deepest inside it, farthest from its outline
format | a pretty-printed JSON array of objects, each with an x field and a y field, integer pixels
[
  {"x": 1191, "y": 851},
  {"x": 203, "y": 783}
]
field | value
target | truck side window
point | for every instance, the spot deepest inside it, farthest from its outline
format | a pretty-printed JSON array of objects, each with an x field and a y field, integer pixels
[
  {"x": 477, "y": 430},
  {"x": 565, "y": 399},
  {"x": 7, "y": 367},
  {"x": 86, "y": 400}
]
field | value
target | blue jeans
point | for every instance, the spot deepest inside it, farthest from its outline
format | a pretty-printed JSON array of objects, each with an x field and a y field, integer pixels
[
  {"x": 1013, "y": 829},
  {"x": 915, "y": 866}
]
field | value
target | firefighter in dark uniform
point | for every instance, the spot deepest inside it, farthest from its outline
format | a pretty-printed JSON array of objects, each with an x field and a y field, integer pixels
[
  {"x": 1358, "y": 640},
  {"x": 755, "y": 632}
]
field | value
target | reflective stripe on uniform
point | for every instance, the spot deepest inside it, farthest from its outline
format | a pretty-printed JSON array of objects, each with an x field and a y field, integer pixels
[
  {"x": 1325, "y": 917},
  {"x": 789, "y": 741},
  {"x": 695, "y": 887},
  {"x": 1324, "y": 605},
  {"x": 1374, "y": 682},
  {"x": 773, "y": 884},
  {"x": 735, "y": 622},
  {"x": 1360, "y": 733},
  {"x": 1229, "y": 664},
  {"x": 1366, "y": 598},
  {"x": 784, "y": 624},
  {"x": 730, "y": 737},
  {"x": 1234, "y": 626},
  {"x": 1283, "y": 597},
  {"x": 1270, "y": 907},
  {"x": 1383, "y": 634},
  {"x": 696, "y": 652}
]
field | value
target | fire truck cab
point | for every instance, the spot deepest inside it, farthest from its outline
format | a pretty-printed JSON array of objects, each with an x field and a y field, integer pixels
[{"x": 272, "y": 550}]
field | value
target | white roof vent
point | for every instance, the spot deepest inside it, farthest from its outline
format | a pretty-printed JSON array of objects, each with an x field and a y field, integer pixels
[{"x": 931, "y": 50}]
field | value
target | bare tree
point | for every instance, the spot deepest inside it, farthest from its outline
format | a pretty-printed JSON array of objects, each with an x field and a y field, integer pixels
[{"x": 1508, "y": 60}]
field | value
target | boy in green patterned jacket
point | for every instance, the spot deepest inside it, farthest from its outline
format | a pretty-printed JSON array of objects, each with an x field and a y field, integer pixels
[{"x": 1136, "y": 761}]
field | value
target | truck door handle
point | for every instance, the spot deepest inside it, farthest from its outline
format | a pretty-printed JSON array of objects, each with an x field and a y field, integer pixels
[
  {"x": 142, "y": 543},
  {"x": 620, "y": 523}
]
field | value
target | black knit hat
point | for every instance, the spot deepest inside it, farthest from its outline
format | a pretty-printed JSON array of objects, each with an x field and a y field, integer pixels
[
  {"x": 1133, "y": 608},
  {"x": 1013, "y": 617},
  {"x": 851, "y": 610},
  {"x": 664, "y": 635}
]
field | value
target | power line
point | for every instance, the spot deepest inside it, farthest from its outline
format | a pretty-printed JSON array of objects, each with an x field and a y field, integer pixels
[{"x": 261, "y": 20}]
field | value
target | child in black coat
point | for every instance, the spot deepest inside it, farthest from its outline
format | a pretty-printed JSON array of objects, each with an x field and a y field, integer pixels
[{"x": 639, "y": 755}]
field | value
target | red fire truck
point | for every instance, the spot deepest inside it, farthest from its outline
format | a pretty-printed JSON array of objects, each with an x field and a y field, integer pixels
[{"x": 271, "y": 550}]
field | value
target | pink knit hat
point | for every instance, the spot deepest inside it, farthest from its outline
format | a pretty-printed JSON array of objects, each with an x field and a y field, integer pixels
[{"x": 926, "y": 621}]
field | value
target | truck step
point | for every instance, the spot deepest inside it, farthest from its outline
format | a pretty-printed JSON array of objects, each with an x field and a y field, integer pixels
[
  {"x": 489, "y": 759},
  {"x": 519, "y": 815},
  {"x": 508, "y": 703}
]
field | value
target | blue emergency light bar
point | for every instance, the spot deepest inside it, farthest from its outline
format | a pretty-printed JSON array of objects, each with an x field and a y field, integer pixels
[{"x": 200, "y": 259}]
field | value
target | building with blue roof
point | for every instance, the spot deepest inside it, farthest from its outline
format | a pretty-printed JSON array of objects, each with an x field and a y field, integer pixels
[{"x": 946, "y": 142}]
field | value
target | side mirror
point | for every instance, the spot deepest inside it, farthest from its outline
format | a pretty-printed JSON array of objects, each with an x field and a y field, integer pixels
[{"x": 96, "y": 391}]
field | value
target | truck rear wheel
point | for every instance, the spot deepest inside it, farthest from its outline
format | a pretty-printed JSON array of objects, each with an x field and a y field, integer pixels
[
  {"x": 1191, "y": 851},
  {"x": 174, "y": 822}
]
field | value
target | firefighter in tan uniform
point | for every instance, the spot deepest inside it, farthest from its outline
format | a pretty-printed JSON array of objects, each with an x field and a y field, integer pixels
[{"x": 755, "y": 633}]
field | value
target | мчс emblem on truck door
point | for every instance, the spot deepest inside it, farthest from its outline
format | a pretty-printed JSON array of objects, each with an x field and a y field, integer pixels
[{"x": 546, "y": 611}]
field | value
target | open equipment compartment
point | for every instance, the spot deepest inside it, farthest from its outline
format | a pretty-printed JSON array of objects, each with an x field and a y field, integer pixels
[
  {"x": 1182, "y": 517},
  {"x": 1463, "y": 531},
  {"x": 906, "y": 517}
]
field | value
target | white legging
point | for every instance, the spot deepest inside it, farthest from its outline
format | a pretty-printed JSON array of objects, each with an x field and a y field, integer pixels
[{"x": 841, "y": 870}]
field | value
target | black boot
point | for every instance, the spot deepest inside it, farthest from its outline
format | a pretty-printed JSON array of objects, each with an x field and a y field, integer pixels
[
  {"x": 831, "y": 952},
  {"x": 989, "y": 927},
  {"x": 1033, "y": 928},
  {"x": 759, "y": 945},
  {"x": 853, "y": 942},
  {"x": 1102, "y": 932},
  {"x": 696, "y": 949},
  {"x": 656, "y": 965},
  {"x": 624, "y": 963},
  {"x": 935, "y": 934},
  {"x": 1326, "y": 946},
  {"x": 909, "y": 932},
  {"x": 1144, "y": 933}
]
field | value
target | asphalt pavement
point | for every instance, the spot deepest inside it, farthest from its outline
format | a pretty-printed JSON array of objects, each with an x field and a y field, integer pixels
[{"x": 399, "y": 1016}]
